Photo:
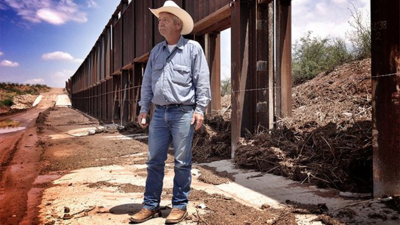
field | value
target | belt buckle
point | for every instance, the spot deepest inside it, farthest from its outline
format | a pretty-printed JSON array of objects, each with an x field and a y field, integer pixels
[{"x": 175, "y": 105}]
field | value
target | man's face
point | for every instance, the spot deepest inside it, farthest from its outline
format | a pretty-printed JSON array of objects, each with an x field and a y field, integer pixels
[{"x": 166, "y": 25}]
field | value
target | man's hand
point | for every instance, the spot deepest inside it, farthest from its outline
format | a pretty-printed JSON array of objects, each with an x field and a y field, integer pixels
[
  {"x": 143, "y": 118},
  {"x": 198, "y": 118}
]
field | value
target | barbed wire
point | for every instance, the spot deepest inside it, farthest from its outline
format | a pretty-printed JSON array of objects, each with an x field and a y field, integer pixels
[
  {"x": 385, "y": 75},
  {"x": 110, "y": 92},
  {"x": 280, "y": 87}
]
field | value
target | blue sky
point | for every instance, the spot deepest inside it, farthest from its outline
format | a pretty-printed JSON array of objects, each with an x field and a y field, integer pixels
[{"x": 45, "y": 41}]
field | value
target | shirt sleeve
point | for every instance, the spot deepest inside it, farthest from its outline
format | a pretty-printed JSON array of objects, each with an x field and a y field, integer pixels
[
  {"x": 146, "y": 92},
  {"x": 201, "y": 80}
]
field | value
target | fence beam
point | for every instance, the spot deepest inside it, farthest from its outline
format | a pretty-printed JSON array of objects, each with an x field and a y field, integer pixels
[
  {"x": 385, "y": 38},
  {"x": 213, "y": 54},
  {"x": 242, "y": 35},
  {"x": 284, "y": 59},
  {"x": 264, "y": 63}
]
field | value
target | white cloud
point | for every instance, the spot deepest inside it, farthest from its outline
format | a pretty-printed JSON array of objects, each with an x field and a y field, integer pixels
[
  {"x": 8, "y": 63},
  {"x": 59, "y": 78},
  {"x": 322, "y": 8},
  {"x": 1, "y": 53},
  {"x": 50, "y": 11},
  {"x": 324, "y": 18},
  {"x": 92, "y": 3},
  {"x": 58, "y": 55},
  {"x": 35, "y": 81},
  {"x": 62, "y": 74},
  {"x": 341, "y": 1},
  {"x": 50, "y": 16}
]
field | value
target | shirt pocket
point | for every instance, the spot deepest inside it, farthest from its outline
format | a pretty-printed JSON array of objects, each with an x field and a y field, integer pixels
[
  {"x": 181, "y": 75},
  {"x": 158, "y": 66}
]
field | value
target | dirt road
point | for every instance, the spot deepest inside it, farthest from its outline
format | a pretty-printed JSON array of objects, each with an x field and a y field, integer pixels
[{"x": 19, "y": 159}]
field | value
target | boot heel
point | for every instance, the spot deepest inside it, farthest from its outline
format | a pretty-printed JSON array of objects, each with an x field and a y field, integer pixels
[{"x": 159, "y": 214}]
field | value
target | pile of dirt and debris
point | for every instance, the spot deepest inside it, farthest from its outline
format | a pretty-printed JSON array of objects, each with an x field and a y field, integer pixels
[
  {"x": 327, "y": 141},
  {"x": 15, "y": 97},
  {"x": 213, "y": 140},
  {"x": 23, "y": 101}
]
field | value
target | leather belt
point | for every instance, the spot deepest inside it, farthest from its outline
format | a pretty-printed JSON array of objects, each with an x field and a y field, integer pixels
[{"x": 172, "y": 106}]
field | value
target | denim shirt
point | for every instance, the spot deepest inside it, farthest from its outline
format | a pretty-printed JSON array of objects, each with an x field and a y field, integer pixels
[{"x": 178, "y": 77}]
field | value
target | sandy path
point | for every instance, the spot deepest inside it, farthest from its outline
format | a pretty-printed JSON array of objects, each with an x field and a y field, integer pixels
[{"x": 20, "y": 158}]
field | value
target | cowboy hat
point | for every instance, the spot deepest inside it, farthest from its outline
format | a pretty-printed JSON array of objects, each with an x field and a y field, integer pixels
[{"x": 173, "y": 8}]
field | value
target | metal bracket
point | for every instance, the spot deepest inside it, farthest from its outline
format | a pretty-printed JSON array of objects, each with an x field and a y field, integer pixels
[
  {"x": 262, "y": 24},
  {"x": 262, "y": 66}
]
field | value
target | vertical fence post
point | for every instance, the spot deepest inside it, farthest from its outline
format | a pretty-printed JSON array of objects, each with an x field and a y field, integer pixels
[
  {"x": 385, "y": 36},
  {"x": 284, "y": 59}
]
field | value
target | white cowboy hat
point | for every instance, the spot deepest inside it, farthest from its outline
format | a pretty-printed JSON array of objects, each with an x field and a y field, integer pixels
[{"x": 173, "y": 8}]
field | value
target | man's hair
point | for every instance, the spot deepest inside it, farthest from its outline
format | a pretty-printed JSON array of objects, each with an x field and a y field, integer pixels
[{"x": 176, "y": 20}]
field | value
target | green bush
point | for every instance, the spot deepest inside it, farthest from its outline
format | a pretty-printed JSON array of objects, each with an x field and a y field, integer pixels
[
  {"x": 6, "y": 102},
  {"x": 313, "y": 55}
]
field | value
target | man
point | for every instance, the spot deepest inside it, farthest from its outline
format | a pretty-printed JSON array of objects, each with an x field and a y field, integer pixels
[{"x": 176, "y": 80}]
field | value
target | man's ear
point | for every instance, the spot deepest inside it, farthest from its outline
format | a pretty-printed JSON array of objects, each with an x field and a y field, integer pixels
[{"x": 180, "y": 25}]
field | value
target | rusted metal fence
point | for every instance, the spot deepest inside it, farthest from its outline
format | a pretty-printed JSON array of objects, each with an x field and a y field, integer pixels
[
  {"x": 107, "y": 84},
  {"x": 385, "y": 24}
]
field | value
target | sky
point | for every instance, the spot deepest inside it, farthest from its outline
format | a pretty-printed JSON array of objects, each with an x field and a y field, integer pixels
[
  {"x": 324, "y": 18},
  {"x": 45, "y": 41}
]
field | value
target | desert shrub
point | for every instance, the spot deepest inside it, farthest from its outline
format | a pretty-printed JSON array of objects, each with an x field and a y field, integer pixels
[
  {"x": 360, "y": 36},
  {"x": 337, "y": 54},
  {"x": 18, "y": 91},
  {"x": 21, "y": 89},
  {"x": 6, "y": 102},
  {"x": 225, "y": 87},
  {"x": 313, "y": 55}
]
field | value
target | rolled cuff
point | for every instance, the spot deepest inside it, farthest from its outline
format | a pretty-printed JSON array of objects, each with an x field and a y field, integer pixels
[{"x": 144, "y": 109}]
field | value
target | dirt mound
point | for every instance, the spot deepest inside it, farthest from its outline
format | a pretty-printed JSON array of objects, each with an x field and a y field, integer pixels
[
  {"x": 341, "y": 95},
  {"x": 327, "y": 142},
  {"x": 23, "y": 101}
]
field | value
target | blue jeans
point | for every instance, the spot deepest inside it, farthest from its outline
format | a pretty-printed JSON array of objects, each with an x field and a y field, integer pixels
[{"x": 169, "y": 124}]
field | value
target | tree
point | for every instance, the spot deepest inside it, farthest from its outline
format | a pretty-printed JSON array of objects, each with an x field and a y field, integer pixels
[
  {"x": 360, "y": 37},
  {"x": 313, "y": 55}
]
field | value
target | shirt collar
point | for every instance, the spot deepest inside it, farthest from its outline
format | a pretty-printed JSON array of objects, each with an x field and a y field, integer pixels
[{"x": 179, "y": 45}]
